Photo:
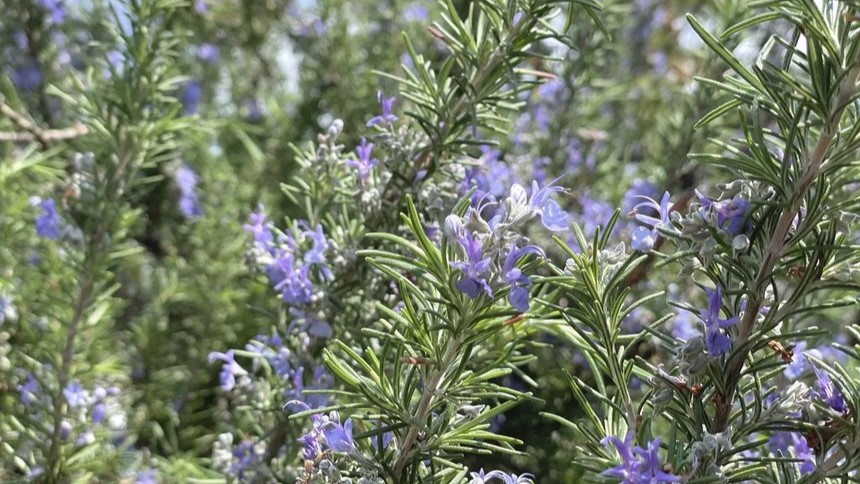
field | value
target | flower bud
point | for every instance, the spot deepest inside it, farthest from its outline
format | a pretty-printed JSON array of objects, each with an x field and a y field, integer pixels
[
  {"x": 693, "y": 346},
  {"x": 453, "y": 226},
  {"x": 694, "y": 366},
  {"x": 740, "y": 243},
  {"x": 335, "y": 128},
  {"x": 663, "y": 395}
]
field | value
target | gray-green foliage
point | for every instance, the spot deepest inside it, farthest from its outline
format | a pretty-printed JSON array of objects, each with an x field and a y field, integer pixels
[{"x": 788, "y": 260}]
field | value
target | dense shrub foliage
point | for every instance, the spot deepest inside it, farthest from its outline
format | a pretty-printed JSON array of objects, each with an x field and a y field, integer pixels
[{"x": 490, "y": 241}]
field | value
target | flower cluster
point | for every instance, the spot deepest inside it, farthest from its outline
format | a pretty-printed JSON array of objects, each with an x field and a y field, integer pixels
[
  {"x": 240, "y": 461},
  {"x": 186, "y": 182},
  {"x": 327, "y": 433},
  {"x": 92, "y": 412},
  {"x": 294, "y": 261},
  {"x": 482, "y": 477},
  {"x": 48, "y": 222},
  {"x": 285, "y": 366},
  {"x": 490, "y": 249},
  {"x": 638, "y": 465},
  {"x": 726, "y": 221}
]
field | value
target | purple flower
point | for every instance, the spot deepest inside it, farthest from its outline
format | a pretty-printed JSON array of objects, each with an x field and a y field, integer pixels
[
  {"x": 594, "y": 214},
  {"x": 828, "y": 392},
  {"x": 520, "y": 283},
  {"x": 638, "y": 465},
  {"x": 553, "y": 217},
  {"x": 310, "y": 323},
  {"x": 491, "y": 178},
  {"x": 782, "y": 442},
  {"x": 661, "y": 209},
  {"x": 27, "y": 77},
  {"x": 683, "y": 328},
  {"x": 200, "y": 7},
  {"x": 191, "y": 96},
  {"x": 651, "y": 466},
  {"x": 386, "y": 118},
  {"x": 85, "y": 438},
  {"x": 316, "y": 254},
  {"x": 288, "y": 269},
  {"x": 291, "y": 278},
  {"x": 364, "y": 163},
  {"x": 99, "y": 408},
  {"x": 634, "y": 321},
  {"x": 730, "y": 215},
  {"x": 55, "y": 8},
  {"x": 20, "y": 39},
  {"x": 65, "y": 429},
  {"x": 339, "y": 437},
  {"x": 254, "y": 109},
  {"x": 799, "y": 363},
  {"x": 186, "y": 181},
  {"x": 311, "y": 447},
  {"x": 208, "y": 53},
  {"x": 34, "y": 473},
  {"x": 643, "y": 239},
  {"x": 639, "y": 189},
  {"x": 260, "y": 229},
  {"x": 75, "y": 394},
  {"x": 629, "y": 465},
  {"x": 48, "y": 222},
  {"x": 716, "y": 342},
  {"x": 481, "y": 478},
  {"x": 383, "y": 439},
  {"x": 476, "y": 268},
  {"x": 229, "y": 369},
  {"x": 148, "y": 476},
  {"x": 551, "y": 214},
  {"x": 415, "y": 12},
  {"x": 28, "y": 390},
  {"x": 98, "y": 412},
  {"x": 246, "y": 456}
]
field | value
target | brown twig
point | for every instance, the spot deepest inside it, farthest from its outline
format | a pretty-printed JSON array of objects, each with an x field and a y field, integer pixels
[
  {"x": 33, "y": 132},
  {"x": 47, "y": 136}
]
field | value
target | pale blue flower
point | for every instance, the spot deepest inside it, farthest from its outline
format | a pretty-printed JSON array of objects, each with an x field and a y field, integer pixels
[
  {"x": 643, "y": 239},
  {"x": 475, "y": 270},
  {"x": 828, "y": 391},
  {"x": 229, "y": 369},
  {"x": 364, "y": 162},
  {"x": 660, "y": 211},
  {"x": 48, "y": 222},
  {"x": 638, "y": 465},
  {"x": 339, "y": 437},
  {"x": 716, "y": 342},
  {"x": 75, "y": 394},
  {"x": 386, "y": 118}
]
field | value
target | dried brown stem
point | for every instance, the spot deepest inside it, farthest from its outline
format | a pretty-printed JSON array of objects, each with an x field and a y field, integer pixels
[{"x": 33, "y": 132}]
